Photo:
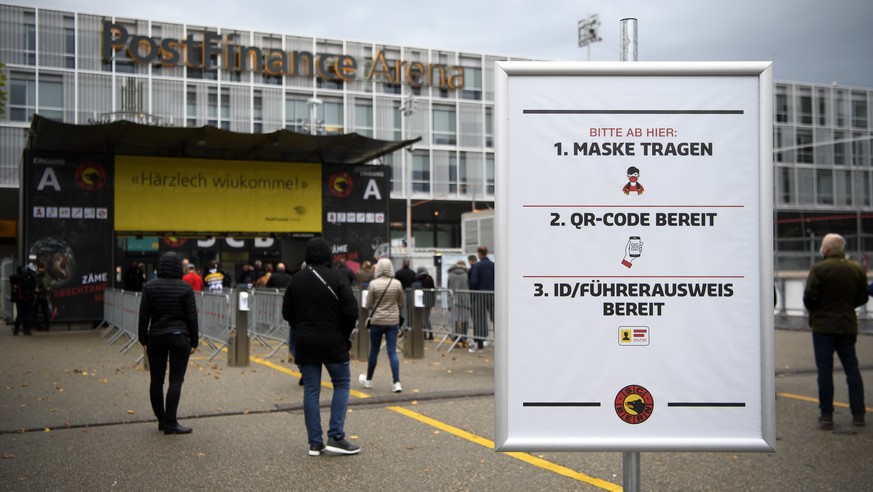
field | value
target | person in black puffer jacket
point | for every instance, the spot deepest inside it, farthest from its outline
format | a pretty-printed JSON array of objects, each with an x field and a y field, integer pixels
[{"x": 169, "y": 331}]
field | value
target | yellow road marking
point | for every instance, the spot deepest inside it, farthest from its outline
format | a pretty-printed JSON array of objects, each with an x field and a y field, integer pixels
[
  {"x": 814, "y": 400},
  {"x": 285, "y": 370},
  {"x": 527, "y": 458}
]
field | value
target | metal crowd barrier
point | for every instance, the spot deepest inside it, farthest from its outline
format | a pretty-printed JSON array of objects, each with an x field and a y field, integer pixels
[
  {"x": 265, "y": 322},
  {"x": 454, "y": 316},
  {"x": 111, "y": 311},
  {"x": 124, "y": 313},
  {"x": 215, "y": 317}
]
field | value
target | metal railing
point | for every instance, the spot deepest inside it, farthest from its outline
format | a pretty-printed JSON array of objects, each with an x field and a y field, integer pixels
[{"x": 451, "y": 317}]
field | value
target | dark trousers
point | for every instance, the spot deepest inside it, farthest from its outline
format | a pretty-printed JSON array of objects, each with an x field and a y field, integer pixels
[
  {"x": 176, "y": 349},
  {"x": 23, "y": 316},
  {"x": 484, "y": 313},
  {"x": 824, "y": 345},
  {"x": 41, "y": 307}
]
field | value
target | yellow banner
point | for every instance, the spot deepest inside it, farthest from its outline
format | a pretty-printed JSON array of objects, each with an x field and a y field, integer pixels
[{"x": 200, "y": 195}]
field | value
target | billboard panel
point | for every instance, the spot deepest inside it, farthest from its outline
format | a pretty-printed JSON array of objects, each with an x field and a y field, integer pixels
[
  {"x": 155, "y": 194},
  {"x": 356, "y": 212},
  {"x": 68, "y": 228},
  {"x": 634, "y": 219}
]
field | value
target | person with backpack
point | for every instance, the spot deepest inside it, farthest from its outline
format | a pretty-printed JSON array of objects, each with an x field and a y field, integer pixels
[{"x": 23, "y": 285}]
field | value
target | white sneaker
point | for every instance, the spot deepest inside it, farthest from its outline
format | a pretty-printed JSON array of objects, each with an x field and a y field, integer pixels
[
  {"x": 397, "y": 388},
  {"x": 366, "y": 383}
]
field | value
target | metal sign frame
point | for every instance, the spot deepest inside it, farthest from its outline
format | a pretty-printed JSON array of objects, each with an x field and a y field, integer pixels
[{"x": 549, "y": 392}]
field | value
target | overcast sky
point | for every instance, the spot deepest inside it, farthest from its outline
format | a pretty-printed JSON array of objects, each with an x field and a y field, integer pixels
[{"x": 817, "y": 41}]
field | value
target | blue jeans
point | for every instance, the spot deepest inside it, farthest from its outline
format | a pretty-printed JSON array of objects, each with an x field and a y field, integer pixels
[
  {"x": 824, "y": 345},
  {"x": 390, "y": 333},
  {"x": 339, "y": 376}
]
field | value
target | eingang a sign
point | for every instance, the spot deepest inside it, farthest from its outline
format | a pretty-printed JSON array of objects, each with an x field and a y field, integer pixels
[{"x": 634, "y": 209}]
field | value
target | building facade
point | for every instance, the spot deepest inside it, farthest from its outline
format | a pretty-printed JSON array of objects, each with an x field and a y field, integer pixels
[{"x": 90, "y": 68}]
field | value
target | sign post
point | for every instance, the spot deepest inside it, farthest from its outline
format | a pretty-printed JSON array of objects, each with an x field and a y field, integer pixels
[{"x": 637, "y": 200}]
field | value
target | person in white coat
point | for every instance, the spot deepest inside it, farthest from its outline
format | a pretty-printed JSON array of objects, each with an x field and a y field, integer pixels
[{"x": 385, "y": 301}]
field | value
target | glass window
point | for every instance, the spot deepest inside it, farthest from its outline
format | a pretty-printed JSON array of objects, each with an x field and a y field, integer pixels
[
  {"x": 839, "y": 148},
  {"x": 23, "y": 98},
  {"x": 472, "y": 84},
  {"x": 258, "y": 112},
  {"x": 69, "y": 47},
  {"x": 296, "y": 114},
  {"x": 822, "y": 110},
  {"x": 224, "y": 115},
  {"x": 444, "y": 126},
  {"x": 804, "y": 146},
  {"x": 489, "y": 127},
  {"x": 30, "y": 44},
  {"x": 453, "y": 173},
  {"x": 786, "y": 185},
  {"x": 860, "y": 144},
  {"x": 51, "y": 99},
  {"x": 841, "y": 110},
  {"x": 489, "y": 174},
  {"x": 824, "y": 187},
  {"x": 397, "y": 121},
  {"x": 804, "y": 106},
  {"x": 463, "y": 175},
  {"x": 191, "y": 106},
  {"x": 781, "y": 105},
  {"x": 421, "y": 172},
  {"x": 333, "y": 117},
  {"x": 859, "y": 110},
  {"x": 212, "y": 107},
  {"x": 364, "y": 118}
]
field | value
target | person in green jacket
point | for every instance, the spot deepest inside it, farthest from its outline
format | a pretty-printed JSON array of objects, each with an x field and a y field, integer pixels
[{"x": 834, "y": 288}]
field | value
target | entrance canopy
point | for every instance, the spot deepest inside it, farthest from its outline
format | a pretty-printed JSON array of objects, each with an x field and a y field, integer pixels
[{"x": 128, "y": 138}]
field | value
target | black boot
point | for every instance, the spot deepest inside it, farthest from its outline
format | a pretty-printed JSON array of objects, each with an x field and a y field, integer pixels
[{"x": 177, "y": 429}]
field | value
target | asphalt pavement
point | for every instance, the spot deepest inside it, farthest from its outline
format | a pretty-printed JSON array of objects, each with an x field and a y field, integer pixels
[{"x": 75, "y": 415}]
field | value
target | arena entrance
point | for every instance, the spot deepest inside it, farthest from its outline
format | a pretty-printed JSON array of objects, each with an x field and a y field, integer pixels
[{"x": 96, "y": 197}]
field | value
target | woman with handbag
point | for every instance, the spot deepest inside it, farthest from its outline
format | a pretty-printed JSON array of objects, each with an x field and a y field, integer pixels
[{"x": 385, "y": 301}]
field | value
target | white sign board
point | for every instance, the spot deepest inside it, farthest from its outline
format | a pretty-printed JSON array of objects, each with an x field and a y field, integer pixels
[{"x": 634, "y": 223}]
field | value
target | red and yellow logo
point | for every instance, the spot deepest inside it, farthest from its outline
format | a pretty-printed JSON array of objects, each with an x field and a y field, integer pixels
[
  {"x": 90, "y": 176},
  {"x": 634, "y": 404},
  {"x": 340, "y": 184}
]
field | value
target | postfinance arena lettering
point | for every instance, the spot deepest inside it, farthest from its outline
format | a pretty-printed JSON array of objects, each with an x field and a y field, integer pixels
[{"x": 203, "y": 50}]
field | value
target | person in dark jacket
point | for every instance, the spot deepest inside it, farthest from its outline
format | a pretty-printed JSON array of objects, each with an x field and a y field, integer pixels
[
  {"x": 834, "y": 288},
  {"x": 23, "y": 287},
  {"x": 405, "y": 275},
  {"x": 482, "y": 278},
  {"x": 322, "y": 311},
  {"x": 346, "y": 271},
  {"x": 280, "y": 278},
  {"x": 134, "y": 278},
  {"x": 168, "y": 329}
]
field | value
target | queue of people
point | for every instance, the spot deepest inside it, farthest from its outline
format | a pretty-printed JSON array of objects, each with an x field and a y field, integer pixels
[{"x": 318, "y": 304}]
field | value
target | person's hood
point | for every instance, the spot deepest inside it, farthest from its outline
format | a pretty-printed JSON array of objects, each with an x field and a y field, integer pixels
[
  {"x": 384, "y": 268},
  {"x": 421, "y": 271},
  {"x": 458, "y": 268},
  {"x": 318, "y": 252},
  {"x": 170, "y": 266}
]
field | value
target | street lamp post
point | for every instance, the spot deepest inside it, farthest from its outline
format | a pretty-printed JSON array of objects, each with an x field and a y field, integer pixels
[{"x": 407, "y": 109}]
